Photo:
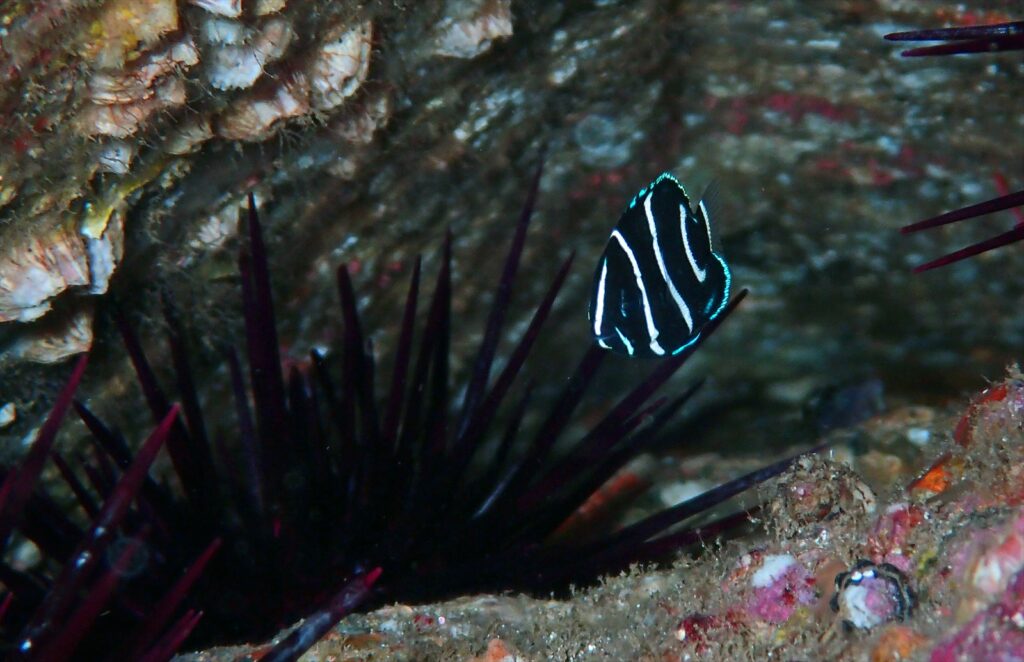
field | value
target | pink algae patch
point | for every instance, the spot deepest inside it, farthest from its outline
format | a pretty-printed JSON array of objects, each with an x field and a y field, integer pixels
[{"x": 780, "y": 586}]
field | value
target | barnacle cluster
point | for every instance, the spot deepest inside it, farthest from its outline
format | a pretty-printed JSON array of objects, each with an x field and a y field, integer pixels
[{"x": 102, "y": 101}]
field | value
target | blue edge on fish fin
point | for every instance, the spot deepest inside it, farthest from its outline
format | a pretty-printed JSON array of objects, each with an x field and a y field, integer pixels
[
  {"x": 726, "y": 289},
  {"x": 692, "y": 340}
]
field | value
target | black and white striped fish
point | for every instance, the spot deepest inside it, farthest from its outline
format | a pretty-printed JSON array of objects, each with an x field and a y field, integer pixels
[{"x": 659, "y": 280}]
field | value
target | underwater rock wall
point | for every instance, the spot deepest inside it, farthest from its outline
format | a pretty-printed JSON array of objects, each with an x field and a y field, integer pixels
[{"x": 132, "y": 128}]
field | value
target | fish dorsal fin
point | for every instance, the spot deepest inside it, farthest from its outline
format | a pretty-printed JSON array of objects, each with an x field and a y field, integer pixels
[{"x": 710, "y": 204}]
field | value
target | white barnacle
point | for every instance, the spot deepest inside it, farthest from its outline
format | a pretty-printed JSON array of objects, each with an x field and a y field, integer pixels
[
  {"x": 138, "y": 82},
  {"x": 474, "y": 31},
  {"x": 229, "y": 8},
  {"x": 8, "y": 414},
  {"x": 253, "y": 118},
  {"x": 238, "y": 66},
  {"x": 220, "y": 30},
  {"x": 340, "y": 65},
  {"x": 116, "y": 156},
  {"x": 104, "y": 253}
]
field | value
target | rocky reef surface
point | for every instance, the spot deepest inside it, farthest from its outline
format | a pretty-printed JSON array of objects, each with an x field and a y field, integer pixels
[{"x": 906, "y": 542}]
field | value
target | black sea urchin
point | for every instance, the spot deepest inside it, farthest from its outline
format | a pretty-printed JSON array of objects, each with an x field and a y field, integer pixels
[
  {"x": 327, "y": 498},
  {"x": 971, "y": 39}
]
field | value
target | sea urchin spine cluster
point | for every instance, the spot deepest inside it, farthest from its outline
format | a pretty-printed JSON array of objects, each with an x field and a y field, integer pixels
[
  {"x": 971, "y": 39},
  {"x": 323, "y": 495}
]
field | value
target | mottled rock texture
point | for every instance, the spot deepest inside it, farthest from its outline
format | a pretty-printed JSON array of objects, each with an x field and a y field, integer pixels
[
  {"x": 941, "y": 570},
  {"x": 367, "y": 128}
]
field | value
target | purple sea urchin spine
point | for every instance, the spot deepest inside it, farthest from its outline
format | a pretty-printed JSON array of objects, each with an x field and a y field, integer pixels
[
  {"x": 318, "y": 623},
  {"x": 1001, "y": 203},
  {"x": 970, "y": 39},
  {"x": 18, "y": 486},
  {"x": 55, "y": 606},
  {"x": 164, "y": 609}
]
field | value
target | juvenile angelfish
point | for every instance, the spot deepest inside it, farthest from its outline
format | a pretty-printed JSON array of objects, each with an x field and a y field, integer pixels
[{"x": 659, "y": 280}]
